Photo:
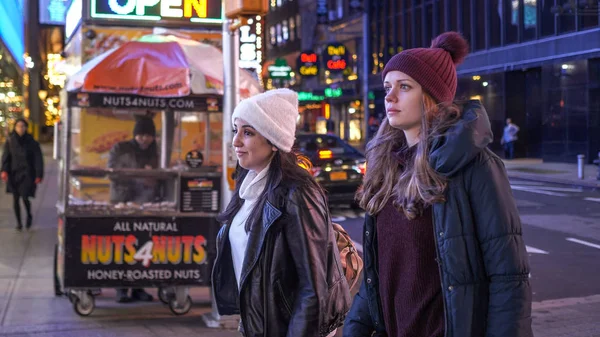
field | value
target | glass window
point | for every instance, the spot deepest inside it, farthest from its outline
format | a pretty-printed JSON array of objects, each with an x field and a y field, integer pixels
[
  {"x": 529, "y": 19},
  {"x": 453, "y": 15},
  {"x": 279, "y": 3},
  {"x": 511, "y": 20},
  {"x": 428, "y": 33},
  {"x": 441, "y": 17},
  {"x": 418, "y": 27},
  {"x": 566, "y": 20},
  {"x": 279, "y": 40},
  {"x": 479, "y": 25},
  {"x": 495, "y": 22},
  {"x": 273, "y": 35},
  {"x": 285, "y": 33},
  {"x": 547, "y": 18},
  {"x": 408, "y": 43},
  {"x": 340, "y": 9},
  {"x": 466, "y": 20},
  {"x": 298, "y": 26},
  {"x": 292, "y": 29},
  {"x": 589, "y": 16}
]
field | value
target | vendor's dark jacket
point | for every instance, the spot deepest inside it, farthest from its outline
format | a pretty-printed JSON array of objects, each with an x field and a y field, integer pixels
[
  {"x": 128, "y": 155},
  {"x": 23, "y": 161},
  {"x": 291, "y": 276},
  {"x": 482, "y": 259}
]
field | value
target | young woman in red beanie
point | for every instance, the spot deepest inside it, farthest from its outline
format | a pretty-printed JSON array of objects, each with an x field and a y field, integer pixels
[
  {"x": 277, "y": 265},
  {"x": 443, "y": 251}
]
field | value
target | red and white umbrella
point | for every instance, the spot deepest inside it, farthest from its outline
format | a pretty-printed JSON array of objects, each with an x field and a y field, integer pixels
[{"x": 159, "y": 66}]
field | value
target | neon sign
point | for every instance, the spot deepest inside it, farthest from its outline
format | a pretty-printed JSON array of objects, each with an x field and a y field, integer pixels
[
  {"x": 251, "y": 44},
  {"x": 336, "y": 57},
  {"x": 308, "y": 64},
  {"x": 179, "y": 11}
]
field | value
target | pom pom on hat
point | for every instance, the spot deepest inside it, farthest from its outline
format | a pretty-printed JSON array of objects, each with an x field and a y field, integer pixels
[
  {"x": 453, "y": 43},
  {"x": 273, "y": 114}
]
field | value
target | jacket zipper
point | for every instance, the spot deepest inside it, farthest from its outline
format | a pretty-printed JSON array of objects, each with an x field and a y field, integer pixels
[{"x": 437, "y": 252}]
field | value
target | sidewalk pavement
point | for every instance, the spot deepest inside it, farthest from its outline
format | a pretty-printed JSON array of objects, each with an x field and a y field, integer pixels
[{"x": 559, "y": 173}]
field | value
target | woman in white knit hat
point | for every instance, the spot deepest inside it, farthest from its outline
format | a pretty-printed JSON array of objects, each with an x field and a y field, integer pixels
[{"x": 277, "y": 262}]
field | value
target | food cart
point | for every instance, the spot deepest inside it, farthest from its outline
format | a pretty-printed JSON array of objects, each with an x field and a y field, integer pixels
[{"x": 167, "y": 242}]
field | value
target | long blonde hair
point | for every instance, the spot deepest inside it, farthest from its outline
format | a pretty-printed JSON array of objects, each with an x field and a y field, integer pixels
[{"x": 416, "y": 184}]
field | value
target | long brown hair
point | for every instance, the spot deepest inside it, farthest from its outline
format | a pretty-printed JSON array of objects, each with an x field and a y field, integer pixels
[{"x": 416, "y": 184}]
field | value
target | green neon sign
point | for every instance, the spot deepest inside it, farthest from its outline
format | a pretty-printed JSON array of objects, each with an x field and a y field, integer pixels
[
  {"x": 304, "y": 96},
  {"x": 333, "y": 93},
  {"x": 176, "y": 11}
]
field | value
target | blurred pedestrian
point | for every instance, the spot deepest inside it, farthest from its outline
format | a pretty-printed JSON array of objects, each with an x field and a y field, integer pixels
[
  {"x": 442, "y": 243},
  {"x": 277, "y": 264},
  {"x": 509, "y": 137},
  {"x": 22, "y": 169}
]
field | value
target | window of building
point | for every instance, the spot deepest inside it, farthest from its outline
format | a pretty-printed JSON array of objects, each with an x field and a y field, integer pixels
[
  {"x": 340, "y": 9},
  {"x": 279, "y": 39},
  {"x": 566, "y": 20},
  {"x": 273, "y": 35},
  {"x": 479, "y": 25},
  {"x": 548, "y": 18},
  {"x": 298, "y": 27},
  {"x": 495, "y": 23},
  {"x": 407, "y": 23},
  {"x": 418, "y": 27},
  {"x": 453, "y": 14},
  {"x": 441, "y": 17},
  {"x": 285, "y": 33},
  {"x": 510, "y": 17},
  {"x": 529, "y": 19},
  {"x": 292, "y": 29},
  {"x": 279, "y": 3},
  {"x": 428, "y": 26},
  {"x": 466, "y": 20},
  {"x": 589, "y": 16}
]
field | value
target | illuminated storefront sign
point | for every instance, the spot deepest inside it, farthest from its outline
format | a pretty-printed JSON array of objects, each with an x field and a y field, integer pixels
[
  {"x": 280, "y": 69},
  {"x": 11, "y": 29},
  {"x": 335, "y": 57},
  {"x": 308, "y": 64},
  {"x": 251, "y": 44},
  {"x": 192, "y": 11},
  {"x": 304, "y": 96}
]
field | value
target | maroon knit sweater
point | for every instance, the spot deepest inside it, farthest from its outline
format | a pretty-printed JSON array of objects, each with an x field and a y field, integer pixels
[{"x": 409, "y": 278}]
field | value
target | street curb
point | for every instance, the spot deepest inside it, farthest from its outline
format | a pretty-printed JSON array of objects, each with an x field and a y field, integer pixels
[{"x": 534, "y": 177}]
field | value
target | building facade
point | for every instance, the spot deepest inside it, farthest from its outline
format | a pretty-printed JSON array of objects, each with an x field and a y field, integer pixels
[
  {"x": 535, "y": 61},
  {"x": 12, "y": 62}
]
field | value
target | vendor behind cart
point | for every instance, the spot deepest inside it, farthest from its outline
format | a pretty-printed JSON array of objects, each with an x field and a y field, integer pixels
[{"x": 141, "y": 152}]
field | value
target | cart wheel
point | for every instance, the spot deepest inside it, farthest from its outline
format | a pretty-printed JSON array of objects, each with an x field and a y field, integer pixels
[
  {"x": 180, "y": 309},
  {"x": 57, "y": 287},
  {"x": 164, "y": 295},
  {"x": 84, "y": 310}
]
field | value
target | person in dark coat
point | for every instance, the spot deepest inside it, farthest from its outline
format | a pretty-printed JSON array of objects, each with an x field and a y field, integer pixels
[
  {"x": 442, "y": 244},
  {"x": 22, "y": 169},
  {"x": 141, "y": 152},
  {"x": 277, "y": 264}
]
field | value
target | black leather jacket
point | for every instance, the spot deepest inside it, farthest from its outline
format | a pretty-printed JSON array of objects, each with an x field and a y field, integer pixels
[{"x": 292, "y": 282}]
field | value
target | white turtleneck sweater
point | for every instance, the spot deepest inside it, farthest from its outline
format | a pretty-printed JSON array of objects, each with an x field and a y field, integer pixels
[{"x": 251, "y": 188}]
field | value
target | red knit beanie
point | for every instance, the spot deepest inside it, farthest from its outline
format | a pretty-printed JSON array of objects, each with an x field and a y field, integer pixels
[{"x": 433, "y": 68}]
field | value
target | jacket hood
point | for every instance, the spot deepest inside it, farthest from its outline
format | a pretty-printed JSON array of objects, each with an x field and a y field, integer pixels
[{"x": 463, "y": 141}]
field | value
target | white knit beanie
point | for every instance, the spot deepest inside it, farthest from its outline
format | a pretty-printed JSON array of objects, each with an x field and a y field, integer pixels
[{"x": 273, "y": 114}]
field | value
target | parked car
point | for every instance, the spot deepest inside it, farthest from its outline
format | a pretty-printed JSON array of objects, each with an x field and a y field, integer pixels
[{"x": 336, "y": 165}]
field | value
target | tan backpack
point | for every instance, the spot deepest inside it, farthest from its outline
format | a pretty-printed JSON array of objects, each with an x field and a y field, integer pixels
[{"x": 352, "y": 263}]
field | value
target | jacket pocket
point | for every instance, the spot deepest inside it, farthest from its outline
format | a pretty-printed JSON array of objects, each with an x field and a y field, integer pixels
[{"x": 284, "y": 300}]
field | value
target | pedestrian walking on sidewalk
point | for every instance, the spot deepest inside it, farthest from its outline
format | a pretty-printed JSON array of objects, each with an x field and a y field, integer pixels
[
  {"x": 442, "y": 245},
  {"x": 22, "y": 169},
  {"x": 277, "y": 264},
  {"x": 509, "y": 137}
]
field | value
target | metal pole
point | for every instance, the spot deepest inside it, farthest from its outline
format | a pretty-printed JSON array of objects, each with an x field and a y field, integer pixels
[
  {"x": 581, "y": 166},
  {"x": 365, "y": 73},
  {"x": 231, "y": 75}
]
